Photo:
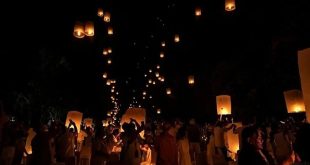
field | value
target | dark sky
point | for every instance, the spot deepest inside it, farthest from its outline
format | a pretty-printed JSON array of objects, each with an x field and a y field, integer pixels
[{"x": 249, "y": 53}]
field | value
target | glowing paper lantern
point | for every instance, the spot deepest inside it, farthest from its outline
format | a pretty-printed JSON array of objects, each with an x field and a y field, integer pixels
[
  {"x": 161, "y": 55},
  {"x": 232, "y": 141},
  {"x": 107, "y": 17},
  {"x": 157, "y": 74},
  {"x": 223, "y": 105},
  {"x": 108, "y": 82},
  {"x": 230, "y": 5},
  {"x": 294, "y": 101},
  {"x": 191, "y": 80},
  {"x": 138, "y": 114},
  {"x": 105, "y": 123},
  {"x": 100, "y": 12},
  {"x": 76, "y": 117},
  {"x": 158, "y": 66},
  {"x": 158, "y": 111},
  {"x": 110, "y": 50},
  {"x": 168, "y": 91},
  {"x": 88, "y": 122},
  {"x": 176, "y": 38},
  {"x": 198, "y": 11},
  {"x": 304, "y": 68},
  {"x": 163, "y": 44},
  {"x": 109, "y": 61},
  {"x": 105, "y": 75},
  {"x": 31, "y": 135},
  {"x": 89, "y": 29},
  {"x": 110, "y": 31},
  {"x": 105, "y": 52},
  {"x": 78, "y": 30}
]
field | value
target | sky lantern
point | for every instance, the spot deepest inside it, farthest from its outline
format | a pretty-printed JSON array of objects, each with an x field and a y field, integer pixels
[
  {"x": 110, "y": 50},
  {"x": 110, "y": 30},
  {"x": 88, "y": 122},
  {"x": 144, "y": 93},
  {"x": 294, "y": 101},
  {"x": 100, "y": 12},
  {"x": 105, "y": 51},
  {"x": 233, "y": 141},
  {"x": 78, "y": 30},
  {"x": 105, "y": 123},
  {"x": 108, "y": 82},
  {"x": 107, "y": 17},
  {"x": 31, "y": 135},
  {"x": 198, "y": 11},
  {"x": 230, "y": 5},
  {"x": 76, "y": 117},
  {"x": 109, "y": 61},
  {"x": 176, "y": 38},
  {"x": 89, "y": 29},
  {"x": 150, "y": 70},
  {"x": 158, "y": 66},
  {"x": 163, "y": 43},
  {"x": 223, "y": 105},
  {"x": 157, "y": 74},
  {"x": 105, "y": 75},
  {"x": 138, "y": 114},
  {"x": 162, "y": 55},
  {"x": 150, "y": 81},
  {"x": 154, "y": 82},
  {"x": 191, "y": 80},
  {"x": 304, "y": 74},
  {"x": 158, "y": 111},
  {"x": 162, "y": 79},
  {"x": 168, "y": 91}
]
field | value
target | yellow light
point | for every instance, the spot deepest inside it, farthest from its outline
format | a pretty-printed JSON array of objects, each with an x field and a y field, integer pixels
[
  {"x": 89, "y": 29},
  {"x": 191, "y": 80},
  {"x": 78, "y": 30},
  {"x": 198, "y": 11},
  {"x": 105, "y": 75},
  {"x": 176, "y": 38},
  {"x": 230, "y": 5},
  {"x": 107, "y": 17},
  {"x": 109, "y": 61},
  {"x": 161, "y": 55},
  {"x": 157, "y": 74},
  {"x": 163, "y": 44},
  {"x": 110, "y": 31},
  {"x": 105, "y": 52},
  {"x": 110, "y": 50},
  {"x": 100, "y": 12},
  {"x": 294, "y": 101},
  {"x": 168, "y": 91}
]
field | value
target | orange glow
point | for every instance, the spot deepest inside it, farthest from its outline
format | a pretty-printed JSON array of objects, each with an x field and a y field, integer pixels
[
  {"x": 176, "y": 38},
  {"x": 78, "y": 31},
  {"x": 161, "y": 55},
  {"x": 230, "y": 5},
  {"x": 168, "y": 91},
  {"x": 198, "y": 11},
  {"x": 191, "y": 80},
  {"x": 105, "y": 75},
  {"x": 110, "y": 31},
  {"x": 158, "y": 111},
  {"x": 76, "y": 117},
  {"x": 100, "y": 12},
  {"x": 89, "y": 29},
  {"x": 223, "y": 105},
  {"x": 163, "y": 44},
  {"x": 107, "y": 17},
  {"x": 109, "y": 61},
  {"x": 294, "y": 101}
]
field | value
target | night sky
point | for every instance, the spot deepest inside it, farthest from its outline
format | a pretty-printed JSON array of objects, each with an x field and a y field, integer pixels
[{"x": 249, "y": 53}]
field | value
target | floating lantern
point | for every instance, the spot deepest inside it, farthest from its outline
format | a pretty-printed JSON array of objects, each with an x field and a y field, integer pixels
[
  {"x": 108, "y": 82},
  {"x": 105, "y": 75},
  {"x": 198, "y": 11},
  {"x": 168, "y": 91},
  {"x": 150, "y": 70},
  {"x": 230, "y": 5},
  {"x": 110, "y": 31},
  {"x": 110, "y": 50},
  {"x": 78, "y": 30},
  {"x": 157, "y": 74},
  {"x": 158, "y": 66},
  {"x": 162, "y": 79},
  {"x": 294, "y": 101},
  {"x": 76, "y": 117},
  {"x": 191, "y": 80},
  {"x": 304, "y": 67},
  {"x": 150, "y": 81},
  {"x": 100, "y": 12},
  {"x": 158, "y": 111},
  {"x": 109, "y": 61},
  {"x": 163, "y": 44},
  {"x": 88, "y": 122},
  {"x": 107, "y": 17},
  {"x": 89, "y": 29},
  {"x": 105, "y": 52},
  {"x": 176, "y": 38},
  {"x": 161, "y": 55},
  {"x": 144, "y": 93},
  {"x": 233, "y": 141},
  {"x": 223, "y": 105},
  {"x": 154, "y": 83}
]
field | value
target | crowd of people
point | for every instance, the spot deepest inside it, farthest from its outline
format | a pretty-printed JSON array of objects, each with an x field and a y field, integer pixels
[{"x": 170, "y": 142}]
